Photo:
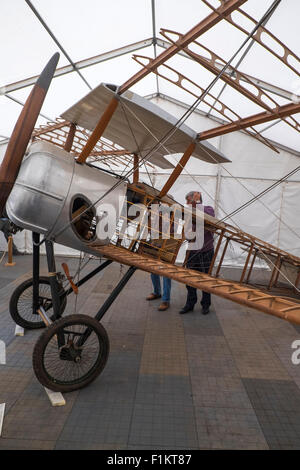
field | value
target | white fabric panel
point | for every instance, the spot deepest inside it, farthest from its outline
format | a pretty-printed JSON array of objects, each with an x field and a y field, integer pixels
[
  {"x": 257, "y": 219},
  {"x": 290, "y": 215},
  {"x": 23, "y": 241},
  {"x": 252, "y": 159}
]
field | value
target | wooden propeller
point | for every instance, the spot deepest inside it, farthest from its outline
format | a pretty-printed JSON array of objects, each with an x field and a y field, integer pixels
[{"x": 22, "y": 131}]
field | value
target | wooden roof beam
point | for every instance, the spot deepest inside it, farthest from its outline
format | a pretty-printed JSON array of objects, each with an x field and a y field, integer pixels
[
  {"x": 278, "y": 113},
  {"x": 226, "y": 8}
]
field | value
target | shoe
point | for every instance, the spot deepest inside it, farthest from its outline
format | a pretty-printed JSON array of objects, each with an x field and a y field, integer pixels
[
  {"x": 205, "y": 310},
  {"x": 186, "y": 309},
  {"x": 163, "y": 306},
  {"x": 153, "y": 297}
]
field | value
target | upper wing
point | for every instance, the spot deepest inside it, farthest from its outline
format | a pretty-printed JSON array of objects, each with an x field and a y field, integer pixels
[{"x": 138, "y": 125}]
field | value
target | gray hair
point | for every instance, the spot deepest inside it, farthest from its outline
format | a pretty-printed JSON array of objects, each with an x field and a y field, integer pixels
[{"x": 190, "y": 194}]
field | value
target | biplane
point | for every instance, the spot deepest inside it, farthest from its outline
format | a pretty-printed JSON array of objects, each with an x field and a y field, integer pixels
[{"x": 54, "y": 188}]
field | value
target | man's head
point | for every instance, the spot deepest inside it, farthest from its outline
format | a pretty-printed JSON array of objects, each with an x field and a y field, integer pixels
[{"x": 193, "y": 197}]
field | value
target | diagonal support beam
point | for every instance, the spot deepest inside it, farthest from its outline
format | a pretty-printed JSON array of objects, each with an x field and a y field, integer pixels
[
  {"x": 190, "y": 87},
  {"x": 205, "y": 25},
  {"x": 264, "y": 37},
  {"x": 256, "y": 95},
  {"x": 279, "y": 113},
  {"x": 178, "y": 169},
  {"x": 270, "y": 87}
]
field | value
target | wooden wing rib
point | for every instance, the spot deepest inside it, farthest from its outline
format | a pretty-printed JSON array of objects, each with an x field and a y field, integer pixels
[{"x": 263, "y": 36}]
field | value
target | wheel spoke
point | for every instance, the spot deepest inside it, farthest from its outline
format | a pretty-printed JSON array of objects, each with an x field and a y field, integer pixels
[
  {"x": 21, "y": 304},
  {"x": 63, "y": 369}
]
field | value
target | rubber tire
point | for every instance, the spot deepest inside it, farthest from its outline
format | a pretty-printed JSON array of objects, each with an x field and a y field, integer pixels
[
  {"x": 13, "y": 305},
  {"x": 46, "y": 336}
]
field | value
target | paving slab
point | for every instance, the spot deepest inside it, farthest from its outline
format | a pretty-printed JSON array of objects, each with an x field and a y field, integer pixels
[{"x": 221, "y": 381}]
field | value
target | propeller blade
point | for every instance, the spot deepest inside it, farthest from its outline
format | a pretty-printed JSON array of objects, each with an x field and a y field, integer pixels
[{"x": 22, "y": 131}]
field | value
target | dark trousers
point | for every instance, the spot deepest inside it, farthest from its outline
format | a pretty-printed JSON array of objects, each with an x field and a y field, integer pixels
[{"x": 199, "y": 261}]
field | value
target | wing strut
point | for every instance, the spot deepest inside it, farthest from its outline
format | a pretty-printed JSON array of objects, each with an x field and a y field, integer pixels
[{"x": 178, "y": 169}]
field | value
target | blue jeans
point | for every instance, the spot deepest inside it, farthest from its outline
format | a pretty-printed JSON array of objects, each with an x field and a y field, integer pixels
[{"x": 166, "y": 287}]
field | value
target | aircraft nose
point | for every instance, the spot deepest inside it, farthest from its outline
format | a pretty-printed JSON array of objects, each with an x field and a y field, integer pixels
[{"x": 21, "y": 134}]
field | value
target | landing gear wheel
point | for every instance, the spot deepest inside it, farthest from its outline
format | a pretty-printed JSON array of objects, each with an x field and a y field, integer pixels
[
  {"x": 20, "y": 305},
  {"x": 63, "y": 360}
]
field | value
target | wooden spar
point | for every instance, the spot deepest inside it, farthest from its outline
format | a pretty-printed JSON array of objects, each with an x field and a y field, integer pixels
[
  {"x": 70, "y": 138},
  {"x": 135, "y": 168},
  {"x": 258, "y": 96},
  {"x": 297, "y": 281},
  {"x": 246, "y": 263},
  {"x": 99, "y": 129},
  {"x": 251, "y": 267},
  {"x": 277, "y": 113},
  {"x": 216, "y": 252},
  {"x": 178, "y": 169},
  {"x": 275, "y": 271},
  {"x": 226, "y": 8},
  {"x": 222, "y": 257}
]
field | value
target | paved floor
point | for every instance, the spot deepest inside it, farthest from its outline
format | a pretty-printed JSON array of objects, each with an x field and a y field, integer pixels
[{"x": 221, "y": 381}]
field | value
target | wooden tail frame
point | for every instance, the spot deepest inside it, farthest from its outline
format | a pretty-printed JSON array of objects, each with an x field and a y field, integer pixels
[
  {"x": 254, "y": 247},
  {"x": 166, "y": 248},
  {"x": 166, "y": 244}
]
